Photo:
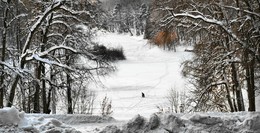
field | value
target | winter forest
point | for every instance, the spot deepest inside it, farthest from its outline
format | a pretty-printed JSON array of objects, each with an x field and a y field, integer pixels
[{"x": 51, "y": 61}]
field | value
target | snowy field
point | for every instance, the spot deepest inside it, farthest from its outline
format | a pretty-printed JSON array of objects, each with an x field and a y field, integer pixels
[{"x": 149, "y": 70}]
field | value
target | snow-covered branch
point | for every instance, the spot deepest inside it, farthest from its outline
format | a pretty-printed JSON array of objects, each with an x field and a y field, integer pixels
[
  {"x": 16, "y": 70},
  {"x": 47, "y": 61},
  {"x": 73, "y": 12},
  {"x": 48, "y": 51},
  {"x": 15, "y": 18},
  {"x": 39, "y": 21},
  {"x": 62, "y": 23},
  {"x": 243, "y": 10},
  {"x": 55, "y": 35},
  {"x": 219, "y": 23}
]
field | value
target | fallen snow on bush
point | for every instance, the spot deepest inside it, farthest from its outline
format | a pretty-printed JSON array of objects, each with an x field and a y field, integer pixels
[
  {"x": 10, "y": 116},
  {"x": 11, "y": 120},
  {"x": 242, "y": 122}
]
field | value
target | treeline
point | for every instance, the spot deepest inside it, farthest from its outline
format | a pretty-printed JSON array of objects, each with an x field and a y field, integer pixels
[
  {"x": 47, "y": 56},
  {"x": 225, "y": 70},
  {"x": 125, "y": 16}
]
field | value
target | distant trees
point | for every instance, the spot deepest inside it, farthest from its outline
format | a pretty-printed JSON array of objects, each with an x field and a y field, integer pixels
[
  {"x": 47, "y": 51},
  {"x": 127, "y": 16},
  {"x": 226, "y": 53},
  {"x": 161, "y": 33}
]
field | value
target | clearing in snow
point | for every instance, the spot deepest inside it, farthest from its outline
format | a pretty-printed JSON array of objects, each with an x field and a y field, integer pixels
[{"x": 147, "y": 69}]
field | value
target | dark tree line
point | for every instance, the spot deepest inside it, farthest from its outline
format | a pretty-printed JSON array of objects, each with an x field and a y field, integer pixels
[{"x": 126, "y": 16}]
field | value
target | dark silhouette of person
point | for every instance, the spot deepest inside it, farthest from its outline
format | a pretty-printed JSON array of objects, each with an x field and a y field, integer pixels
[{"x": 143, "y": 95}]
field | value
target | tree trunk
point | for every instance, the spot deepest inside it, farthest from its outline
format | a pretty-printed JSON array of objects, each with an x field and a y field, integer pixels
[
  {"x": 42, "y": 66},
  {"x": 53, "y": 107},
  {"x": 36, "y": 102},
  {"x": 53, "y": 92},
  {"x": 69, "y": 99},
  {"x": 249, "y": 68},
  {"x": 44, "y": 98},
  {"x": 229, "y": 99},
  {"x": 48, "y": 111},
  {"x": 237, "y": 88},
  {"x": 3, "y": 57},
  {"x": 12, "y": 91},
  {"x": 46, "y": 104}
]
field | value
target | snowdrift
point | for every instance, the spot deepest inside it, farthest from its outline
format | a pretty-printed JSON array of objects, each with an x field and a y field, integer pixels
[
  {"x": 243, "y": 122},
  {"x": 11, "y": 120}
]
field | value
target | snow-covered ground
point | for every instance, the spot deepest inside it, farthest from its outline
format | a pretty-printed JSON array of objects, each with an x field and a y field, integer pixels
[
  {"x": 147, "y": 69},
  {"x": 13, "y": 121}
]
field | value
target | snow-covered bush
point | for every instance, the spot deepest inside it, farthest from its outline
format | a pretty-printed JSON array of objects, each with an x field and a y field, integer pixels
[
  {"x": 109, "y": 54},
  {"x": 10, "y": 116},
  {"x": 13, "y": 121},
  {"x": 191, "y": 123}
]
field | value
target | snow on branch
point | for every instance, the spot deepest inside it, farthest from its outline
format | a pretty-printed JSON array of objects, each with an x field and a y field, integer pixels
[
  {"x": 61, "y": 22},
  {"x": 46, "y": 52},
  {"x": 55, "y": 34},
  {"x": 16, "y": 70},
  {"x": 209, "y": 87},
  {"x": 200, "y": 17},
  {"x": 73, "y": 12},
  {"x": 242, "y": 10},
  {"x": 40, "y": 20},
  {"x": 47, "y": 61},
  {"x": 213, "y": 21},
  {"x": 56, "y": 48},
  {"x": 16, "y": 17},
  {"x": 61, "y": 16}
]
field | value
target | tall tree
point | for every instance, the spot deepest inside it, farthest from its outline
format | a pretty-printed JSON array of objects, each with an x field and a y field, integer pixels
[
  {"x": 229, "y": 30},
  {"x": 57, "y": 35}
]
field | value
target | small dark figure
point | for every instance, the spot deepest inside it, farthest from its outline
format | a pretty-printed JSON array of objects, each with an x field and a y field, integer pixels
[{"x": 143, "y": 96}]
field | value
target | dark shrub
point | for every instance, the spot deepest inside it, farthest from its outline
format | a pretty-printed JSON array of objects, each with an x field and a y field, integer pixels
[{"x": 109, "y": 54}]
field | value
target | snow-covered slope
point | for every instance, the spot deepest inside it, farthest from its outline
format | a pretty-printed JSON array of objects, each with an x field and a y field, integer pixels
[{"x": 147, "y": 69}]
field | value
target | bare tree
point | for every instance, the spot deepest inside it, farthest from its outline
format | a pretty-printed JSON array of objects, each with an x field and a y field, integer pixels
[
  {"x": 226, "y": 50},
  {"x": 106, "y": 106},
  {"x": 50, "y": 42}
]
